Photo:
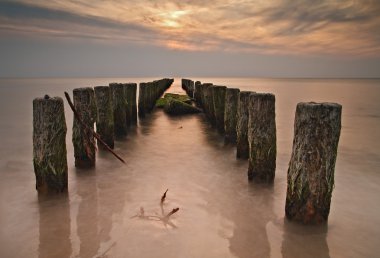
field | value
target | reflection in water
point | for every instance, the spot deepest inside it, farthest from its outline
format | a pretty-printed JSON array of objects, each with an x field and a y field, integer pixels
[
  {"x": 304, "y": 241},
  {"x": 54, "y": 226},
  {"x": 251, "y": 239},
  {"x": 221, "y": 213},
  {"x": 87, "y": 218}
]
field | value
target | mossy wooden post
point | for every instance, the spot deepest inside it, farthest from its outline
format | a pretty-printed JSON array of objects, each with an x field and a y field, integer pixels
[
  {"x": 230, "y": 114},
  {"x": 104, "y": 119},
  {"x": 154, "y": 95},
  {"x": 84, "y": 141},
  {"x": 130, "y": 92},
  {"x": 119, "y": 109},
  {"x": 49, "y": 144},
  {"x": 210, "y": 104},
  {"x": 197, "y": 93},
  {"x": 242, "y": 147},
  {"x": 311, "y": 169},
  {"x": 219, "y": 101},
  {"x": 262, "y": 137},
  {"x": 204, "y": 94},
  {"x": 188, "y": 86},
  {"x": 142, "y": 99}
]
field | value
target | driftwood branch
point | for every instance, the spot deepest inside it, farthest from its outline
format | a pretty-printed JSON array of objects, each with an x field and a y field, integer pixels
[
  {"x": 171, "y": 213},
  {"x": 164, "y": 196},
  {"x": 85, "y": 127}
]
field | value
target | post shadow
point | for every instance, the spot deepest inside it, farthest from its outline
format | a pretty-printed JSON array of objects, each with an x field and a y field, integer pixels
[
  {"x": 87, "y": 217},
  {"x": 54, "y": 226},
  {"x": 305, "y": 241},
  {"x": 250, "y": 240}
]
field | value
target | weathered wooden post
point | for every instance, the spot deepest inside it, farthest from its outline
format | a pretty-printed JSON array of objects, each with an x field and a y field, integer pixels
[
  {"x": 262, "y": 137},
  {"x": 49, "y": 144},
  {"x": 230, "y": 114},
  {"x": 83, "y": 140},
  {"x": 242, "y": 147},
  {"x": 131, "y": 103},
  {"x": 311, "y": 169},
  {"x": 142, "y": 99},
  {"x": 119, "y": 109},
  {"x": 188, "y": 86},
  {"x": 104, "y": 119},
  {"x": 204, "y": 93},
  {"x": 197, "y": 93},
  {"x": 150, "y": 94},
  {"x": 209, "y": 101},
  {"x": 219, "y": 100}
]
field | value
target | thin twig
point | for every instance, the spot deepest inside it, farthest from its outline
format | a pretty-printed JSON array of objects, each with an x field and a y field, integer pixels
[
  {"x": 86, "y": 127},
  {"x": 164, "y": 196}
]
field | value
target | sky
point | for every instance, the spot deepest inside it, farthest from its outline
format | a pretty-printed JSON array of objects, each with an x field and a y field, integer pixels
[{"x": 257, "y": 38}]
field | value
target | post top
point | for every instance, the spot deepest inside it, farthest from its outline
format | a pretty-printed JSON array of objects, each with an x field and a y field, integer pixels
[
  {"x": 220, "y": 87},
  {"x": 83, "y": 89},
  {"x": 48, "y": 99},
  {"x": 233, "y": 89},
  {"x": 101, "y": 87},
  {"x": 268, "y": 96},
  {"x": 319, "y": 104}
]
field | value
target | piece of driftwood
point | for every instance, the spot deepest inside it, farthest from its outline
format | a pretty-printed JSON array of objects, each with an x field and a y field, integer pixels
[
  {"x": 164, "y": 196},
  {"x": 85, "y": 127}
]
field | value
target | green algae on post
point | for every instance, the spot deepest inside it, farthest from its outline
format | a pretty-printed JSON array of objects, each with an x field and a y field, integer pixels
[
  {"x": 49, "y": 145},
  {"x": 311, "y": 169},
  {"x": 176, "y": 107}
]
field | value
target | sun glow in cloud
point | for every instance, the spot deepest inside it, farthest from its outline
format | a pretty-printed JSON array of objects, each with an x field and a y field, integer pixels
[{"x": 273, "y": 26}]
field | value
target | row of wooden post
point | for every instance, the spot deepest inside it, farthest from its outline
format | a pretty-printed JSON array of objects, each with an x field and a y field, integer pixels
[
  {"x": 114, "y": 110},
  {"x": 248, "y": 119},
  {"x": 150, "y": 92}
]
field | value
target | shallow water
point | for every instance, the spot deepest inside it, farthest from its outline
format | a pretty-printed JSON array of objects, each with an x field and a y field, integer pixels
[{"x": 221, "y": 214}]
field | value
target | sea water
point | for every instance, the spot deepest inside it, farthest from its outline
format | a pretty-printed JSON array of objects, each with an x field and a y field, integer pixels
[{"x": 220, "y": 214}]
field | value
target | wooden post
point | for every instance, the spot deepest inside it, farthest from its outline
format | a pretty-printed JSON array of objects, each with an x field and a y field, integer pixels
[
  {"x": 49, "y": 144},
  {"x": 83, "y": 140},
  {"x": 131, "y": 89},
  {"x": 197, "y": 93},
  {"x": 311, "y": 169},
  {"x": 142, "y": 99},
  {"x": 219, "y": 101},
  {"x": 242, "y": 147},
  {"x": 119, "y": 109},
  {"x": 262, "y": 137},
  {"x": 188, "y": 86},
  {"x": 204, "y": 93},
  {"x": 150, "y": 95},
  {"x": 104, "y": 119},
  {"x": 230, "y": 114},
  {"x": 210, "y": 104}
]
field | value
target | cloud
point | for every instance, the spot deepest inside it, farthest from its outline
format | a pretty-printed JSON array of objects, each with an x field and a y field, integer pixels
[
  {"x": 18, "y": 17},
  {"x": 263, "y": 26}
]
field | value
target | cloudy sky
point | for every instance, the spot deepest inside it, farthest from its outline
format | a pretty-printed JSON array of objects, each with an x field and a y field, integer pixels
[{"x": 264, "y": 38}]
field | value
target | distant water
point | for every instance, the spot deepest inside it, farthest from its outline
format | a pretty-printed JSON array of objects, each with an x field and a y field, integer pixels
[{"x": 221, "y": 214}]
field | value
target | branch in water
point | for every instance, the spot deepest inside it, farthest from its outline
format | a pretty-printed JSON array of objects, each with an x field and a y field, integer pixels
[
  {"x": 171, "y": 213},
  {"x": 164, "y": 196},
  {"x": 85, "y": 127}
]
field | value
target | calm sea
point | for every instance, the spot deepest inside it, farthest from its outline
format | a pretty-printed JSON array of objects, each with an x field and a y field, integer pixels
[{"x": 221, "y": 214}]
